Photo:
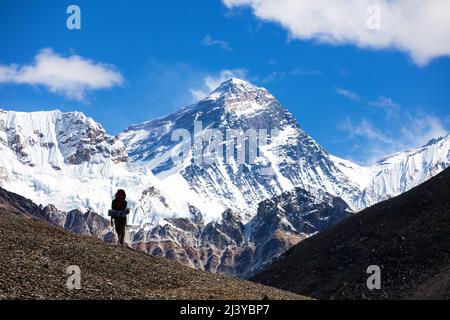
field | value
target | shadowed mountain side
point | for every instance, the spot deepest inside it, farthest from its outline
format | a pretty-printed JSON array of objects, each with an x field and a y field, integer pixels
[{"x": 407, "y": 236}]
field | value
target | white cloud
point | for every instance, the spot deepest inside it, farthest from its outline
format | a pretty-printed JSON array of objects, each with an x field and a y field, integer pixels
[
  {"x": 198, "y": 94},
  {"x": 275, "y": 75},
  {"x": 389, "y": 106},
  {"x": 385, "y": 103},
  {"x": 406, "y": 132},
  {"x": 353, "y": 96},
  {"x": 420, "y": 28},
  {"x": 210, "y": 82},
  {"x": 306, "y": 72},
  {"x": 71, "y": 76},
  {"x": 208, "y": 41},
  {"x": 365, "y": 129},
  {"x": 418, "y": 130}
]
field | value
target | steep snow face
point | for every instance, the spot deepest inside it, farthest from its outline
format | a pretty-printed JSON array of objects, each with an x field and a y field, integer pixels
[
  {"x": 224, "y": 182},
  {"x": 392, "y": 175},
  {"x": 34, "y": 138},
  {"x": 400, "y": 172},
  {"x": 68, "y": 160}
]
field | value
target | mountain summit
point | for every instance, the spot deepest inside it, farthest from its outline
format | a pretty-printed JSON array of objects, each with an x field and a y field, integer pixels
[
  {"x": 236, "y": 89},
  {"x": 236, "y": 86},
  {"x": 292, "y": 156},
  {"x": 68, "y": 160}
]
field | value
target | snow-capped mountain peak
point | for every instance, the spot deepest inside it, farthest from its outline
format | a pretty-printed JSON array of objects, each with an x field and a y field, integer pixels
[
  {"x": 240, "y": 97},
  {"x": 67, "y": 159},
  {"x": 434, "y": 144},
  {"x": 397, "y": 173},
  {"x": 293, "y": 157},
  {"x": 54, "y": 138},
  {"x": 235, "y": 87}
]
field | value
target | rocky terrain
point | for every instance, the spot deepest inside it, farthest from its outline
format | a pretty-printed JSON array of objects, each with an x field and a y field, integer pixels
[
  {"x": 231, "y": 246},
  {"x": 408, "y": 237},
  {"x": 36, "y": 255},
  {"x": 227, "y": 246}
]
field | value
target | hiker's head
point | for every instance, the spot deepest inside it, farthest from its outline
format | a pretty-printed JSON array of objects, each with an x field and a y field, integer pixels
[{"x": 120, "y": 194}]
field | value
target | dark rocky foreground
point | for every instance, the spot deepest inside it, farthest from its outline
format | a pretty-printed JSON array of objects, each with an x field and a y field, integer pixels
[
  {"x": 35, "y": 257},
  {"x": 408, "y": 237}
]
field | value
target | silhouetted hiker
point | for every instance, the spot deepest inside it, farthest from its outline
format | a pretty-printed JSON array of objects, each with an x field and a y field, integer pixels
[{"x": 118, "y": 214}]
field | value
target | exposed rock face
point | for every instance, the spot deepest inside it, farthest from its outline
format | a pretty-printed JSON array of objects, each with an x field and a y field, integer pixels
[
  {"x": 295, "y": 159},
  {"x": 285, "y": 220},
  {"x": 76, "y": 137},
  {"x": 68, "y": 160},
  {"x": 88, "y": 223},
  {"x": 53, "y": 215},
  {"x": 227, "y": 246},
  {"x": 233, "y": 247}
]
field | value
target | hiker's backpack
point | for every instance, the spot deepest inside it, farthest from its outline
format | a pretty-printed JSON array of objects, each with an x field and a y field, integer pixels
[{"x": 117, "y": 214}]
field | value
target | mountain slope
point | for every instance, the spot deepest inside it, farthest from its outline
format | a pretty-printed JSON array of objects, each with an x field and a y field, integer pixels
[
  {"x": 68, "y": 159},
  {"x": 219, "y": 178},
  {"x": 228, "y": 246},
  {"x": 35, "y": 257},
  {"x": 282, "y": 222},
  {"x": 407, "y": 236}
]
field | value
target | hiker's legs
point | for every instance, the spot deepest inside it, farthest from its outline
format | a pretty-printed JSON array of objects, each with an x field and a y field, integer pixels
[
  {"x": 120, "y": 228},
  {"x": 122, "y": 234}
]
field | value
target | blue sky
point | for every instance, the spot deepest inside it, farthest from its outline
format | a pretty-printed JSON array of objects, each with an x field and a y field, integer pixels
[{"x": 358, "y": 100}]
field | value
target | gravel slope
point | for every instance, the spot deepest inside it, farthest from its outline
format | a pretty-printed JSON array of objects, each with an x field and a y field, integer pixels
[{"x": 35, "y": 255}]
